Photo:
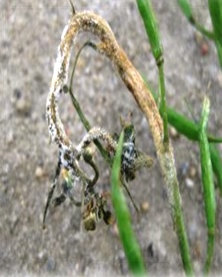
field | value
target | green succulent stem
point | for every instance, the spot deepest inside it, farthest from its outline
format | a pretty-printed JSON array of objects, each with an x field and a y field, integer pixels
[
  {"x": 127, "y": 236},
  {"x": 208, "y": 185}
]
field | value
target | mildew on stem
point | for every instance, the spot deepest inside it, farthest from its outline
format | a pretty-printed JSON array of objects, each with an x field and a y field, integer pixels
[{"x": 90, "y": 22}]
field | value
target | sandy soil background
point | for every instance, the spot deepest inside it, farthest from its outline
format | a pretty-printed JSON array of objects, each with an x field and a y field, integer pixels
[{"x": 29, "y": 35}]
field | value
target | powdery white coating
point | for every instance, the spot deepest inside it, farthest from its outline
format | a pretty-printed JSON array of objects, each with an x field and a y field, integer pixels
[
  {"x": 93, "y": 134},
  {"x": 52, "y": 114},
  {"x": 84, "y": 21},
  {"x": 67, "y": 152},
  {"x": 64, "y": 31}
]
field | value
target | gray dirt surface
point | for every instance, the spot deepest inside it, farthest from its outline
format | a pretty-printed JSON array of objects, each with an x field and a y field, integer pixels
[{"x": 29, "y": 35}]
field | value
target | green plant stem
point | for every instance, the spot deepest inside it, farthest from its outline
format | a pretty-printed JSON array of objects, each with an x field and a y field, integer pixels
[
  {"x": 208, "y": 185},
  {"x": 215, "y": 9},
  {"x": 87, "y": 126},
  {"x": 127, "y": 236},
  {"x": 183, "y": 125},
  {"x": 219, "y": 52},
  {"x": 150, "y": 23},
  {"x": 190, "y": 130},
  {"x": 187, "y": 11},
  {"x": 163, "y": 110},
  {"x": 82, "y": 117},
  {"x": 87, "y": 43},
  {"x": 216, "y": 165},
  {"x": 208, "y": 34},
  {"x": 181, "y": 232},
  {"x": 152, "y": 30},
  {"x": 187, "y": 127},
  {"x": 75, "y": 103}
]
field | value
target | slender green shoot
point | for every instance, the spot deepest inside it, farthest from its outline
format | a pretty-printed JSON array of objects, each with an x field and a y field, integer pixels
[
  {"x": 150, "y": 24},
  {"x": 127, "y": 236},
  {"x": 219, "y": 52},
  {"x": 187, "y": 127},
  {"x": 216, "y": 165},
  {"x": 215, "y": 9},
  {"x": 152, "y": 30},
  {"x": 208, "y": 185},
  {"x": 163, "y": 108},
  {"x": 190, "y": 130},
  {"x": 186, "y": 8},
  {"x": 178, "y": 220},
  {"x": 87, "y": 43},
  {"x": 182, "y": 124},
  {"x": 187, "y": 11},
  {"x": 77, "y": 106}
]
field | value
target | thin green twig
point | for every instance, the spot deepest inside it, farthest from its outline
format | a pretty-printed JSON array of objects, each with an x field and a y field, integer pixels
[
  {"x": 208, "y": 185},
  {"x": 127, "y": 236},
  {"x": 216, "y": 165},
  {"x": 152, "y": 30},
  {"x": 190, "y": 130},
  {"x": 215, "y": 9},
  {"x": 187, "y": 10},
  {"x": 163, "y": 108},
  {"x": 76, "y": 104},
  {"x": 150, "y": 23}
]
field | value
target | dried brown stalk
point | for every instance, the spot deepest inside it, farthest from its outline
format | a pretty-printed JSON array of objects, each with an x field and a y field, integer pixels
[{"x": 90, "y": 22}]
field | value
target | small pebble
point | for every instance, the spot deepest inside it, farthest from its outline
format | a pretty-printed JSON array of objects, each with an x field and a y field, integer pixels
[
  {"x": 203, "y": 45},
  {"x": 10, "y": 137},
  {"x": 144, "y": 206},
  {"x": 23, "y": 107},
  {"x": 192, "y": 172},
  {"x": 189, "y": 182},
  {"x": 42, "y": 256},
  {"x": 204, "y": 49},
  {"x": 173, "y": 133},
  {"x": 198, "y": 37},
  {"x": 39, "y": 172},
  {"x": 115, "y": 230}
]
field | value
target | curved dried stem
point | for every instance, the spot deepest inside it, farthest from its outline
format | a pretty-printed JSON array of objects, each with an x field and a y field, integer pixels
[
  {"x": 90, "y": 22},
  {"x": 87, "y": 21}
]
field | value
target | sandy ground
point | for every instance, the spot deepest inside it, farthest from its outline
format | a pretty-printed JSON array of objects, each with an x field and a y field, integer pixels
[{"x": 29, "y": 35}]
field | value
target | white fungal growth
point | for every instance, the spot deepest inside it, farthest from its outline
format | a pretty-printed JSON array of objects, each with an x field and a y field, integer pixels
[
  {"x": 64, "y": 32},
  {"x": 92, "y": 135}
]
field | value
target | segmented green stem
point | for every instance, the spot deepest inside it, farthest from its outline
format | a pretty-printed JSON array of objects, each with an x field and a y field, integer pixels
[
  {"x": 148, "y": 16},
  {"x": 208, "y": 185}
]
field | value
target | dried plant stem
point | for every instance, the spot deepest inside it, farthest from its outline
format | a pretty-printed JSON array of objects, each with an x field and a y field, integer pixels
[{"x": 88, "y": 21}]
